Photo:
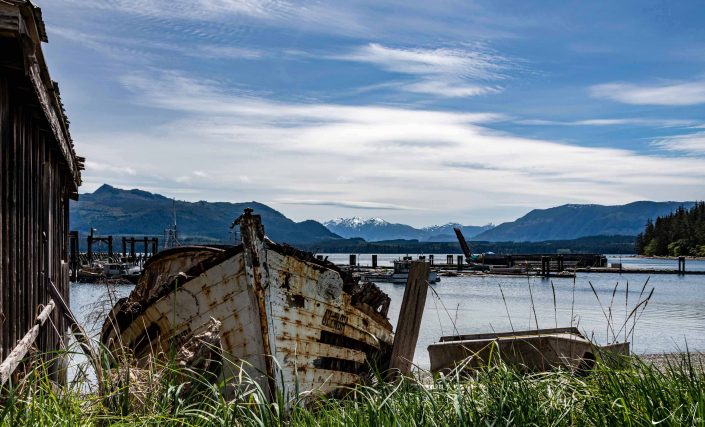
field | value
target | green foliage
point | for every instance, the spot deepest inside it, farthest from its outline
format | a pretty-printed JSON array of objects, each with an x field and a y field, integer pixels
[
  {"x": 681, "y": 233},
  {"x": 619, "y": 391}
]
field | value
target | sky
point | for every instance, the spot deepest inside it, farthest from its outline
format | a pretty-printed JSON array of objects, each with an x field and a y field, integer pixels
[{"x": 420, "y": 112}]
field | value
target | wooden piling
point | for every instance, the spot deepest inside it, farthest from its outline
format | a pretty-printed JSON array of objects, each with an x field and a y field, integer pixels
[
  {"x": 449, "y": 259},
  {"x": 460, "y": 262},
  {"x": 89, "y": 246},
  {"x": 374, "y": 261},
  {"x": 353, "y": 260},
  {"x": 410, "y": 315},
  {"x": 124, "y": 247}
]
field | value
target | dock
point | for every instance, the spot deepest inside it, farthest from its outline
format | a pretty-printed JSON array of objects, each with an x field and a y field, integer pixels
[{"x": 543, "y": 265}]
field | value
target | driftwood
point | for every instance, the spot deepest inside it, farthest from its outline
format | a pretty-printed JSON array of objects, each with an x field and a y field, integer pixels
[
  {"x": 9, "y": 365},
  {"x": 409, "y": 322}
]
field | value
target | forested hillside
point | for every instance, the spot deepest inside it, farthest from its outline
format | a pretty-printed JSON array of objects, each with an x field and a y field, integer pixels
[{"x": 678, "y": 234}]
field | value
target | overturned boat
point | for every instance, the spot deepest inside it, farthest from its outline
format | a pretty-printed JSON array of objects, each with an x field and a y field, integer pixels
[
  {"x": 534, "y": 350},
  {"x": 290, "y": 321}
]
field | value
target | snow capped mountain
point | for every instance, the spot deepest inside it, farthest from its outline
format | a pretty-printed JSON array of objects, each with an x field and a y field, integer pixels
[
  {"x": 376, "y": 229},
  {"x": 355, "y": 222}
]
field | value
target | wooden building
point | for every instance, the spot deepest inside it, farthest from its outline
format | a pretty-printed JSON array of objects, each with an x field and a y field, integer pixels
[{"x": 39, "y": 173}]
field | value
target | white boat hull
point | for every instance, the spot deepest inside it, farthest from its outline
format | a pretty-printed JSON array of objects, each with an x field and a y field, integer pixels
[{"x": 289, "y": 321}]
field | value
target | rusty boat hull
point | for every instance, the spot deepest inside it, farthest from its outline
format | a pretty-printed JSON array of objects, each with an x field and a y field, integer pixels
[
  {"x": 291, "y": 322},
  {"x": 534, "y": 350}
]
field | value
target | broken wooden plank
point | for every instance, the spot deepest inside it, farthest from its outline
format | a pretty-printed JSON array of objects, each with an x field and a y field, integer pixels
[
  {"x": 409, "y": 322},
  {"x": 10, "y": 363}
]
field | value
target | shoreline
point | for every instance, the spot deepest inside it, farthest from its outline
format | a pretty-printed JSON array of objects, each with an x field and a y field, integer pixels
[{"x": 670, "y": 258}]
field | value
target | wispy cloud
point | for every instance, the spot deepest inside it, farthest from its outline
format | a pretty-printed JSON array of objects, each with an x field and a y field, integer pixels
[
  {"x": 140, "y": 49},
  {"x": 346, "y": 204},
  {"x": 192, "y": 9},
  {"x": 610, "y": 122},
  {"x": 693, "y": 143},
  {"x": 332, "y": 156},
  {"x": 443, "y": 71},
  {"x": 671, "y": 93}
]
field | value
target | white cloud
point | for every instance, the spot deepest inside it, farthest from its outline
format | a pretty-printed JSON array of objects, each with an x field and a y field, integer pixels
[
  {"x": 391, "y": 158},
  {"x": 442, "y": 72},
  {"x": 345, "y": 204},
  {"x": 192, "y": 9},
  {"x": 693, "y": 143},
  {"x": 467, "y": 63},
  {"x": 92, "y": 166},
  {"x": 450, "y": 90},
  {"x": 140, "y": 49},
  {"x": 610, "y": 122},
  {"x": 674, "y": 93}
]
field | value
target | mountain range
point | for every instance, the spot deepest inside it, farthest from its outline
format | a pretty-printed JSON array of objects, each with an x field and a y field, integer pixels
[
  {"x": 574, "y": 221},
  {"x": 113, "y": 211},
  {"x": 377, "y": 229}
]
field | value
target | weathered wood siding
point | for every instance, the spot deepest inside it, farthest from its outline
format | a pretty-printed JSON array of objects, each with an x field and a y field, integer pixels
[{"x": 38, "y": 175}]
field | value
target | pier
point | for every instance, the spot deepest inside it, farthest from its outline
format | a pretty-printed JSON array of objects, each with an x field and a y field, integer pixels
[
  {"x": 546, "y": 265},
  {"x": 101, "y": 261}
]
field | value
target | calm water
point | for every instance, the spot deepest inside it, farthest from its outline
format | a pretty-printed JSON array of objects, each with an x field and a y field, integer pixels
[{"x": 674, "y": 317}]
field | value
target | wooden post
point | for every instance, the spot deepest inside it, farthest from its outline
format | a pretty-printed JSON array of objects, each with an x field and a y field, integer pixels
[
  {"x": 545, "y": 266},
  {"x": 460, "y": 262},
  {"x": 353, "y": 260},
  {"x": 560, "y": 263},
  {"x": 146, "y": 247},
  {"x": 110, "y": 247},
  {"x": 430, "y": 259},
  {"x": 73, "y": 239},
  {"x": 409, "y": 322},
  {"x": 89, "y": 240},
  {"x": 374, "y": 261},
  {"x": 449, "y": 259},
  {"x": 132, "y": 248},
  {"x": 124, "y": 247}
]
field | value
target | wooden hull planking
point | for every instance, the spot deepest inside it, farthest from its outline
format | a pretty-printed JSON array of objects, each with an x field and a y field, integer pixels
[{"x": 287, "y": 321}]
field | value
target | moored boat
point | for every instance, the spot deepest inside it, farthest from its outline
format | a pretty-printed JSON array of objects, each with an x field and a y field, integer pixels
[
  {"x": 290, "y": 321},
  {"x": 400, "y": 273},
  {"x": 534, "y": 350}
]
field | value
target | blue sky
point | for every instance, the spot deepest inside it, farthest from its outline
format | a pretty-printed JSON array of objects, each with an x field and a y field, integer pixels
[{"x": 415, "y": 111}]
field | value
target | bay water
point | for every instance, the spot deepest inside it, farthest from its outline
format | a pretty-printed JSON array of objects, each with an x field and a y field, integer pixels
[{"x": 672, "y": 320}]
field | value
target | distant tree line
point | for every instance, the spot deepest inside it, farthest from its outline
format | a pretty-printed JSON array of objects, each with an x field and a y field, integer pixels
[{"x": 682, "y": 233}]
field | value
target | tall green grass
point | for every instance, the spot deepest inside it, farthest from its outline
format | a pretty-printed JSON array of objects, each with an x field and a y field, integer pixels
[{"x": 619, "y": 391}]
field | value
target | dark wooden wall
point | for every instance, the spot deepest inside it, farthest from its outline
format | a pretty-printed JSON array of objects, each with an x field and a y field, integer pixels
[{"x": 35, "y": 191}]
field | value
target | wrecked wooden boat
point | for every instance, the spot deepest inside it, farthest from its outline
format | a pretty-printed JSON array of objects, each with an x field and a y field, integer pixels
[
  {"x": 290, "y": 321},
  {"x": 535, "y": 350}
]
